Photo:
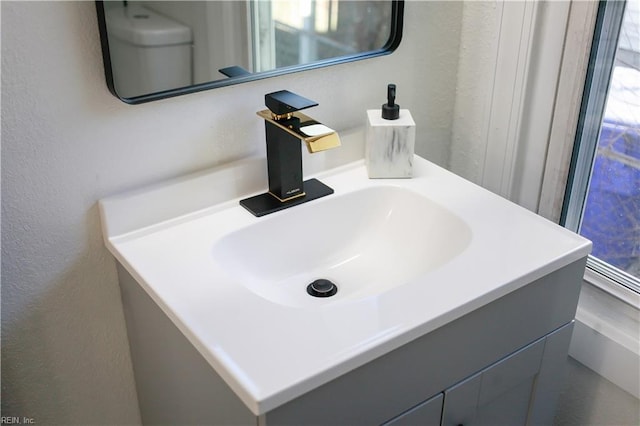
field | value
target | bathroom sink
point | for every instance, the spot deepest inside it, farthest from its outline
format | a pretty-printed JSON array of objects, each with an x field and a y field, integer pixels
[
  {"x": 407, "y": 255},
  {"x": 365, "y": 242}
]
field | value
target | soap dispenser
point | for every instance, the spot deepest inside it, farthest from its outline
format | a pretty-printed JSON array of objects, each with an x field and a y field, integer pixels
[{"x": 390, "y": 140}]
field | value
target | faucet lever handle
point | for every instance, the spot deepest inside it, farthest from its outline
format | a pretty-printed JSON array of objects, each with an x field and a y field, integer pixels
[{"x": 284, "y": 102}]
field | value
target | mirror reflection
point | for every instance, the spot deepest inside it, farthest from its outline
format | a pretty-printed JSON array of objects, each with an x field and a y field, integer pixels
[{"x": 166, "y": 48}]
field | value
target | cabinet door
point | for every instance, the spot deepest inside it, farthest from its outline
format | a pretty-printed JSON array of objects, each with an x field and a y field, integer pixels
[
  {"x": 499, "y": 394},
  {"x": 427, "y": 413}
]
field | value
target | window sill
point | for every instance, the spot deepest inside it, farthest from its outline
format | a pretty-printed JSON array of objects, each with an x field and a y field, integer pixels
[
  {"x": 607, "y": 333},
  {"x": 604, "y": 280}
]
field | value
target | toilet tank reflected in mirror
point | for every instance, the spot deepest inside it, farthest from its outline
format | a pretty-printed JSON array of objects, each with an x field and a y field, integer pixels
[{"x": 149, "y": 52}]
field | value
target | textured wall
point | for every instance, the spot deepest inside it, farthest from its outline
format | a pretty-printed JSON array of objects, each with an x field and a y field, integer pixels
[
  {"x": 66, "y": 142},
  {"x": 476, "y": 70}
]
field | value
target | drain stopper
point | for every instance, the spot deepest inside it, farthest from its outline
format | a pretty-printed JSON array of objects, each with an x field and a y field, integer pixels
[{"x": 322, "y": 288}]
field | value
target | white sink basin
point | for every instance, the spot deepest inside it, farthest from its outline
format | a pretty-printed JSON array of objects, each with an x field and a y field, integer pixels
[
  {"x": 365, "y": 242},
  {"x": 408, "y": 256}
]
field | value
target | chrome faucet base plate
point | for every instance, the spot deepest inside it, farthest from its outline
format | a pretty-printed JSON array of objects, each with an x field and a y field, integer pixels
[{"x": 264, "y": 204}]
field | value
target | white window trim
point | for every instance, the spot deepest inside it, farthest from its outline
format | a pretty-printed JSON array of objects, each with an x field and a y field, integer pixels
[
  {"x": 522, "y": 95},
  {"x": 572, "y": 75},
  {"x": 508, "y": 93},
  {"x": 514, "y": 135}
]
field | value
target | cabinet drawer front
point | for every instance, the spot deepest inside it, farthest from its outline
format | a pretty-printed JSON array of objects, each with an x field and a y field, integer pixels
[
  {"x": 499, "y": 394},
  {"x": 426, "y": 414},
  {"x": 461, "y": 401},
  {"x": 511, "y": 371}
]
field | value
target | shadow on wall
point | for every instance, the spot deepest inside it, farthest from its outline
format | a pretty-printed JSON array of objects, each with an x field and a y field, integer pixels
[
  {"x": 67, "y": 328},
  {"x": 590, "y": 399}
]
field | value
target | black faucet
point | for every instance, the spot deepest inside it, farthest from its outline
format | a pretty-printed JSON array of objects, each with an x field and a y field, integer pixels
[{"x": 285, "y": 127}]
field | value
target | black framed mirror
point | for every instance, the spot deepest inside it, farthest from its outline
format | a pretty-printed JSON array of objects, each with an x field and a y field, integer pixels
[{"x": 158, "y": 49}]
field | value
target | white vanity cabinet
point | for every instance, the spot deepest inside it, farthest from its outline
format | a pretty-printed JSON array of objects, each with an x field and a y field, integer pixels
[
  {"x": 500, "y": 394},
  {"x": 502, "y": 363},
  {"x": 469, "y": 323}
]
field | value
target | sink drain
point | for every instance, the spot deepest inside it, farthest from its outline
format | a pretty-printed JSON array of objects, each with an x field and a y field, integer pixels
[{"x": 322, "y": 288}]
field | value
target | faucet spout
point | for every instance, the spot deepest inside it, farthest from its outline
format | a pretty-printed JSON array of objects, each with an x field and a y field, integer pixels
[{"x": 314, "y": 134}]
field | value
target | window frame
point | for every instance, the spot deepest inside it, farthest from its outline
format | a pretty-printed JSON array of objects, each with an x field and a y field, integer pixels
[{"x": 601, "y": 62}]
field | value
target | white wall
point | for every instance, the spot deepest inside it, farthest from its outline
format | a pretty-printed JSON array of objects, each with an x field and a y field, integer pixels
[
  {"x": 478, "y": 50},
  {"x": 67, "y": 142}
]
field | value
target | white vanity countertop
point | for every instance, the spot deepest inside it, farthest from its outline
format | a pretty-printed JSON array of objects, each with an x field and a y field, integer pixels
[{"x": 269, "y": 353}]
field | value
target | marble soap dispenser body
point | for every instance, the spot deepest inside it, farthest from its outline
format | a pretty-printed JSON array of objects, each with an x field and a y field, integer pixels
[{"x": 390, "y": 142}]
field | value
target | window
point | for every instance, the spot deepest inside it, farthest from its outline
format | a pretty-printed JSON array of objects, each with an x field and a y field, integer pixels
[
  {"x": 603, "y": 193},
  {"x": 288, "y": 33}
]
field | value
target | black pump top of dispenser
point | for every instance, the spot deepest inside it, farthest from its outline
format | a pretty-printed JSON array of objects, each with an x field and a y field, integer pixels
[{"x": 391, "y": 110}]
